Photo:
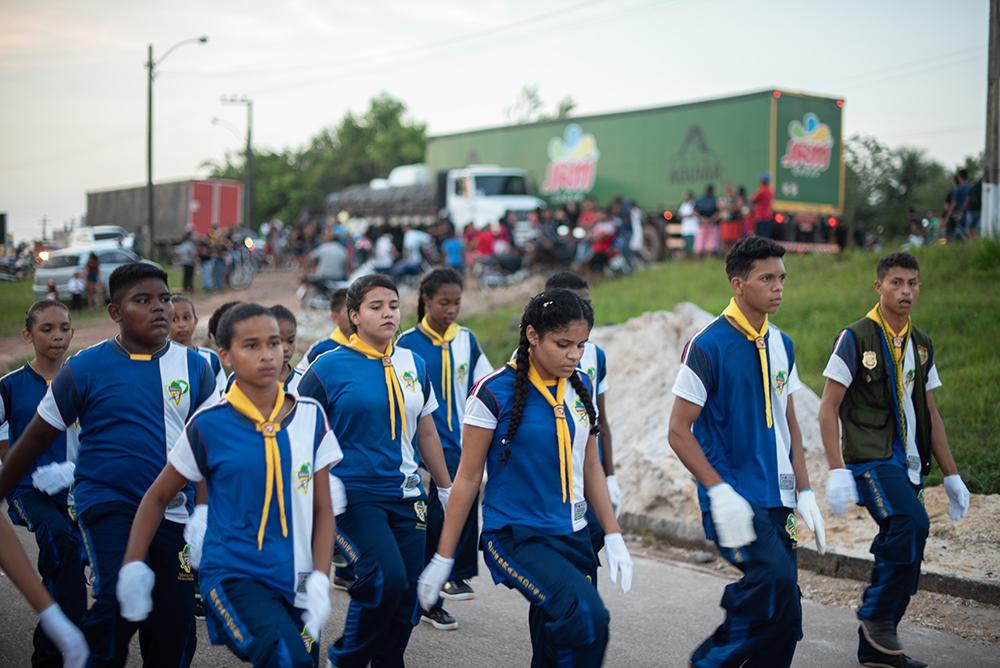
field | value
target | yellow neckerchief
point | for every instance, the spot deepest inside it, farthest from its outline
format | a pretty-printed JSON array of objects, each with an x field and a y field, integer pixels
[
  {"x": 136, "y": 357},
  {"x": 438, "y": 340},
  {"x": 337, "y": 336},
  {"x": 562, "y": 426},
  {"x": 391, "y": 382},
  {"x": 733, "y": 311},
  {"x": 269, "y": 429},
  {"x": 897, "y": 346}
]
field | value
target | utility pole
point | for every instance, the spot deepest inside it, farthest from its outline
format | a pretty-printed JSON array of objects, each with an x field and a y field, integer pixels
[
  {"x": 990, "y": 223},
  {"x": 150, "y": 216},
  {"x": 45, "y": 223},
  {"x": 248, "y": 163}
]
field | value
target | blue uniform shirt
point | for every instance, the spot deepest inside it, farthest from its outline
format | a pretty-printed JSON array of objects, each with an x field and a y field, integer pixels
[
  {"x": 324, "y": 345},
  {"x": 468, "y": 365},
  {"x": 131, "y": 411},
  {"x": 213, "y": 360},
  {"x": 720, "y": 371},
  {"x": 223, "y": 447},
  {"x": 351, "y": 388},
  {"x": 20, "y": 393},
  {"x": 527, "y": 490}
]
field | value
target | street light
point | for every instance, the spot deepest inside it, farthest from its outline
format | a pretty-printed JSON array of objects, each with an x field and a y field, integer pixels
[
  {"x": 151, "y": 66},
  {"x": 243, "y": 100}
]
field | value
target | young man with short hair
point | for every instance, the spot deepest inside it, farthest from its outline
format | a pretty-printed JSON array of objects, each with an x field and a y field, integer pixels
[
  {"x": 878, "y": 415},
  {"x": 733, "y": 426}
]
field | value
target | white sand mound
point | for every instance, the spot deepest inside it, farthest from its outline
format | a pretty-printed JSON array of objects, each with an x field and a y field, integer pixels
[{"x": 643, "y": 358}]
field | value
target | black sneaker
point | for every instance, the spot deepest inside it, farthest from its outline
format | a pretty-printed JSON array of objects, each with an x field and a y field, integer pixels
[
  {"x": 199, "y": 608},
  {"x": 869, "y": 656},
  {"x": 439, "y": 619},
  {"x": 343, "y": 584},
  {"x": 881, "y": 635},
  {"x": 458, "y": 590}
]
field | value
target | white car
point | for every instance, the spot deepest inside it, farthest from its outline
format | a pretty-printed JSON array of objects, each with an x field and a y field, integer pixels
[
  {"x": 102, "y": 235},
  {"x": 60, "y": 266}
]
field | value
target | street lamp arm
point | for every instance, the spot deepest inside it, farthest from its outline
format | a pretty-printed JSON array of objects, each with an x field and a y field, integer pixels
[{"x": 200, "y": 40}]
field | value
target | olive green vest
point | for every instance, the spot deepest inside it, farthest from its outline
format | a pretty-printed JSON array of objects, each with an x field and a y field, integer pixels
[{"x": 866, "y": 415}]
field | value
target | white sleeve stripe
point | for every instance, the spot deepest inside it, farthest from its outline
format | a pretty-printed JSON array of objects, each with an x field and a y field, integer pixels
[
  {"x": 476, "y": 421},
  {"x": 690, "y": 387},
  {"x": 49, "y": 411},
  {"x": 836, "y": 370},
  {"x": 179, "y": 460}
]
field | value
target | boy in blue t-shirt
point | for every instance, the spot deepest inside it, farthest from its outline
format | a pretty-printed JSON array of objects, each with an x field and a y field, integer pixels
[
  {"x": 733, "y": 426},
  {"x": 132, "y": 395}
]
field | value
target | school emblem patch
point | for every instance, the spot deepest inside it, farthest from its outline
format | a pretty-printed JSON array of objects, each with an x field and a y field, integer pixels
[
  {"x": 461, "y": 373},
  {"x": 922, "y": 354},
  {"x": 791, "y": 528},
  {"x": 869, "y": 359},
  {"x": 780, "y": 380},
  {"x": 304, "y": 475},
  {"x": 420, "y": 508},
  {"x": 580, "y": 410},
  {"x": 176, "y": 391},
  {"x": 184, "y": 556},
  {"x": 592, "y": 374},
  {"x": 910, "y": 375},
  {"x": 410, "y": 381}
]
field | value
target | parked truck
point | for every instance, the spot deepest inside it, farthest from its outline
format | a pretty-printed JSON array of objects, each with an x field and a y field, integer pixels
[
  {"x": 414, "y": 195},
  {"x": 180, "y": 206},
  {"x": 653, "y": 156}
]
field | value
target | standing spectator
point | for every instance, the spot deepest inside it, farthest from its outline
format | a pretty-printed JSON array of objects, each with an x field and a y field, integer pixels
[
  {"x": 51, "y": 293},
  {"x": 205, "y": 260},
  {"x": 572, "y": 211},
  {"x": 95, "y": 293},
  {"x": 707, "y": 238},
  {"x": 689, "y": 223},
  {"x": 76, "y": 287},
  {"x": 916, "y": 229},
  {"x": 185, "y": 251},
  {"x": 954, "y": 205},
  {"x": 731, "y": 225},
  {"x": 763, "y": 201},
  {"x": 635, "y": 242},
  {"x": 454, "y": 252},
  {"x": 973, "y": 209},
  {"x": 385, "y": 253},
  {"x": 329, "y": 260}
]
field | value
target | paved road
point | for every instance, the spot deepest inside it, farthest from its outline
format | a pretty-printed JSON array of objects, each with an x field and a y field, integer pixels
[{"x": 669, "y": 611}]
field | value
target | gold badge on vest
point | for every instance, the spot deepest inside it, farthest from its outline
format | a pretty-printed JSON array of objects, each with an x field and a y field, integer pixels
[{"x": 869, "y": 359}]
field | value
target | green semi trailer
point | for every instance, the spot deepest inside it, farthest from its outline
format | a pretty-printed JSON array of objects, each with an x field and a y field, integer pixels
[{"x": 653, "y": 156}]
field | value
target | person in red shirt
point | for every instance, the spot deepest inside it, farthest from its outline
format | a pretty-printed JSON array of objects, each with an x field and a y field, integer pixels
[{"x": 763, "y": 200}]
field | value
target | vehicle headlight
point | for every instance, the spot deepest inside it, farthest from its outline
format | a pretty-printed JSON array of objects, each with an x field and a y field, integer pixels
[
  {"x": 248, "y": 242},
  {"x": 44, "y": 256}
]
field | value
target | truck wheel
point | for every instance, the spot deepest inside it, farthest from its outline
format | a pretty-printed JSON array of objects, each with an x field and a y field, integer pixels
[{"x": 653, "y": 242}]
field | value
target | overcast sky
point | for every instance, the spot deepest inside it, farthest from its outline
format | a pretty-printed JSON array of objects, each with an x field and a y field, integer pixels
[{"x": 73, "y": 85}]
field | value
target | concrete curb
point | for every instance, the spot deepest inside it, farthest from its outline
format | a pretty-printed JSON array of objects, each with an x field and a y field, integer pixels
[{"x": 686, "y": 535}]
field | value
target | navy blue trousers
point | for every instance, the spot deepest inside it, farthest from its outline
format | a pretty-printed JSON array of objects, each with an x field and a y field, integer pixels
[
  {"x": 763, "y": 609},
  {"x": 167, "y": 637},
  {"x": 259, "y": 625},
  {"x": 383, "y": 540},
  {"x": 60, "y": 562},
  {"x": 567, "y": 620},
  {"x": 467, "y": 552},
  {"x": 897, "y": 506}
]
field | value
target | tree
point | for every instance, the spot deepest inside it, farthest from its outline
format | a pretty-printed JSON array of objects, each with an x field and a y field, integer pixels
[{"x": 529, "y": 107}]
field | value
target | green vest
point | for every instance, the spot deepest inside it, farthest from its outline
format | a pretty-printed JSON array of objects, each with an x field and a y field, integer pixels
[{"x": 866, "y": 415}]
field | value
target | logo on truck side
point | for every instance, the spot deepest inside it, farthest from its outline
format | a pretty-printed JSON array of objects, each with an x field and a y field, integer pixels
[
  {"x": 809, "y": 146},
  {"x": 572, "y": 164},
  {"x": 695, "y": 161}
]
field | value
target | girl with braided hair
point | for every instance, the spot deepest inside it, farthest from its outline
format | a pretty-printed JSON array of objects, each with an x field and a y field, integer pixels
[{"x": 533, "y": 425}]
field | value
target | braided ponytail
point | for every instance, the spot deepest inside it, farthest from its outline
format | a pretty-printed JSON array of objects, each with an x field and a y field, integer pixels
[
  {"x": 521, "y": 387},
  {"x": 581, "y": 390}
]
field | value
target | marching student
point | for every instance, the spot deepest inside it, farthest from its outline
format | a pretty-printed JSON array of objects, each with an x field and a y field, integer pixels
[
  {"x": 533, "y": 425},
  {"x": 288, "y": 327},
  {"x": 182, "y": 331},
  {"x": 216, "y": 317},
  {"x": 594, "y": 364},
  {"x": 39, "y": 502},
  {"x": 261, "y": 452},
  {"x": 132, "y": 395},
  {"x": 455, "y": 363},
  {"x": 338, "y": 337},
  {"x": 378, "y": 399},
  {"x": 880, "y": 387},
  {"x": 733, "y": 426}
]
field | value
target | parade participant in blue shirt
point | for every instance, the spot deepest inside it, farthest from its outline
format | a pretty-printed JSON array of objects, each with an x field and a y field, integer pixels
[
  {"x": 261, "y": 453},
  {"x": 182, "y": 331},
  {"x": 39, "y": 502},
  {"x": 288, "y": 326},
  {"x": 455, "y": 363},
  {"x": 733, "y": 426},
  {"x": 533, "y": 425},
  {"x": 338, "y": 337},
  {"x": 878, "y": 414},
  {"x": 378, "y": 399},
  {"x": 132, "y": 395}
]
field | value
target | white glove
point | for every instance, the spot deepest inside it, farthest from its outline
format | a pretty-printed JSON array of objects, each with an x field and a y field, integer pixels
[
  {"x": 841, "y": 491},
  {"x": 809, "y": 512},
  {"x": 732, "y": 516},
  {"x": 619, "y": 560},
  {"x": 135, "y": 590},
  {"x": 958, "y": 496},
  {"x": 71, "y": 643},
  {"x": 434, "y": 576},
  {"x": 194, "y": 533},
  {"x": 615, "y": 492},
  {"x": 444, "y": 493},
  {"x": 53, "y": 478},
  {"x": 338, "y": 495},
  {"x": 317, "y": 603}
]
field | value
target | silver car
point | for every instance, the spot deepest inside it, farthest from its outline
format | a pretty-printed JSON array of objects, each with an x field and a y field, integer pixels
[{"x": 60, "y": 266}]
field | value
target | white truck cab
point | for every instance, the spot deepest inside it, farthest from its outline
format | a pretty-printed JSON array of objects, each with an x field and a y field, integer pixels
[{"x": 481, "y": 194}]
